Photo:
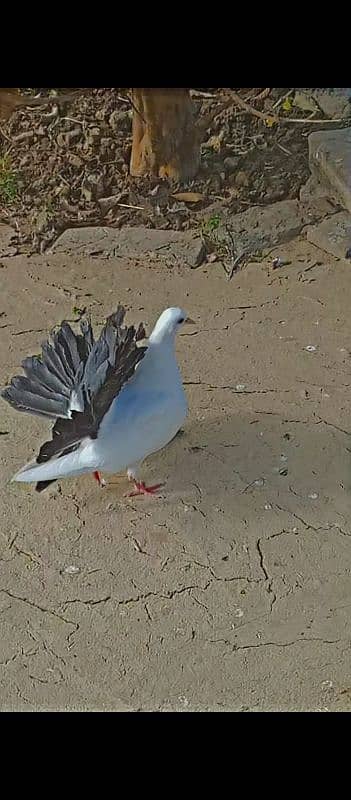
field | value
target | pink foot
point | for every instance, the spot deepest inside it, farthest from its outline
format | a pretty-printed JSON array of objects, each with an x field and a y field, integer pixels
[
  {"x": 140, "y": 488},
  {"x": 99, "y": 479}
]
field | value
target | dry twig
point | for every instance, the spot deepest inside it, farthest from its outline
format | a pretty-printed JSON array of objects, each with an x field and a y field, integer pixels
[
  {"x": 281, "y": 99},
  {"x": 274, "y": 118},
  {"x": 10, "y": 100},
  {"x": 246, "y": 107},
  {"x": 261, "y": 96}
]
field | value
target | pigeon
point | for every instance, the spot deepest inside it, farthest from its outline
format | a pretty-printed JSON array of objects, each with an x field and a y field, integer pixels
[{"x": 113, "y": 401}]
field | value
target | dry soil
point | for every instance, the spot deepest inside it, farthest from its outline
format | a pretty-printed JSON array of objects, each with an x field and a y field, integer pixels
[{"x": 233, "y": 590}]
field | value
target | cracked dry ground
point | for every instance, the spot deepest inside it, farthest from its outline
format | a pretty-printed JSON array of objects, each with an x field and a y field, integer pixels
[{"x": 234, "y": 591}]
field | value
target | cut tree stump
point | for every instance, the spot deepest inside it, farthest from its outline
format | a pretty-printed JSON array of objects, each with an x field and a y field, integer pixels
[{"x": 166, "y": 142}]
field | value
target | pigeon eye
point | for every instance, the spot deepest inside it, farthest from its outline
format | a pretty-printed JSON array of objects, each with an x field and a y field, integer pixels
[{"x": 182, "y": 319}]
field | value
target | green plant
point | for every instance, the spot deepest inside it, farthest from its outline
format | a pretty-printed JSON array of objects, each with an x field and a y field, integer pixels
[
  {"x": 8, "y": 181},
  {"x": 214, "y": 235},
  {"x": 211, "y": 225},
  {"x": 78, "y": 312}
]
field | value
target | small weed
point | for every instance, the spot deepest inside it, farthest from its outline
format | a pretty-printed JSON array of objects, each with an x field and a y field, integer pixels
[
  {"x": 218, "y": 238},
  {"x": 49, "y": 208},
  {"x": 78, "y": 312},
  {"x": 214, "y": 235},
  {"x": 8, "y": 181},
  {"x": 211, "y": 225}
]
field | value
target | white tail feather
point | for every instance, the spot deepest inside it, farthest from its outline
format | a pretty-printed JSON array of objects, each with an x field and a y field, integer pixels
[{"x": 76, "y": 463}]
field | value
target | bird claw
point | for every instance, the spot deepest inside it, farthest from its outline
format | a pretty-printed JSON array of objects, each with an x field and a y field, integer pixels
[
  {"x": 140, "y": 489},
  {"x": 99, "y": 479}
]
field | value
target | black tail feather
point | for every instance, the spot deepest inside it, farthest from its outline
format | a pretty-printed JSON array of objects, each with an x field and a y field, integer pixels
[{"x": 42, "y": 485}]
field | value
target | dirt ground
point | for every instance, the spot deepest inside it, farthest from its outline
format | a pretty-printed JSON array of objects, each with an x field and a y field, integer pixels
[{"x": 232, "y": 592}]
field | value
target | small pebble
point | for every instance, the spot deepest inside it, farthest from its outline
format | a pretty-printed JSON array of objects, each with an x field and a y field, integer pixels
[
  {"x": 259, "y": 482},
  {"x": 267, "y": 507},
  {"x": 280, "y": 262},
  {"x": 310, "y": 348},
  {"x": 240, "y": 387},
  {"x": 313, "y": 496},
  {"x": 183, "y": 700},
  {"x": 238, "y": 613},
  {"x": 71, "y": 570},
  {"x": 284, "y": 457},
  {"x": 283, "y": 472}
]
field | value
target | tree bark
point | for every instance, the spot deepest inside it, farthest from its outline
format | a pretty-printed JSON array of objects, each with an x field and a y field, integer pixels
[{"x": 166, "y": 142}]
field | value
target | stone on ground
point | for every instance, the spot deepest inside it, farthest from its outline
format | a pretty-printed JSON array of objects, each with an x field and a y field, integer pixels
[
  {"x": 330, "y": 161},
  {"x": 332, "y": 235}
]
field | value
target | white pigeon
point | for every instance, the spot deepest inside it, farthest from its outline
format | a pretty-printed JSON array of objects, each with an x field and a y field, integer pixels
[{"x": 114, "y": 401}]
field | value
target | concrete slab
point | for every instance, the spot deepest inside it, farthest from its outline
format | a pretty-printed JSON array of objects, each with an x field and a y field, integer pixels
[
  {"x": 259, "y": 228},
  {"x": 332, "y": 235},
  {"x": 330, "y": 160},
  {"x": 6, "y": 235},
  {"x": 335, "y": 103},
  {"x": 313, "y": 189},
  {"x": 130, "y": 242},
  {"x": 253, "y": 230}
]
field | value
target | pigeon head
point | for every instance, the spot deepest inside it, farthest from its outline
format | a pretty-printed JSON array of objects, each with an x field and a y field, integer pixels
[{"x": 167, "y": 325}]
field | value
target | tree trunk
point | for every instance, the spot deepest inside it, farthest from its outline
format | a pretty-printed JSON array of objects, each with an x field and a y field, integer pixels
[{"x": 165, "y": 140}]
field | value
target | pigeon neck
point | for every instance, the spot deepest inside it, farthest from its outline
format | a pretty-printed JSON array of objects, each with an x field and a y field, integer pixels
[
  {"x": 161, "y": 356},
  {"x": 162, "y": 338}
]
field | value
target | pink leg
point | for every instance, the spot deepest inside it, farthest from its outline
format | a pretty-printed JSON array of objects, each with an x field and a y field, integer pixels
[
  {"x": 99, "y": 479},
  {"x": 140, "y": 488}
]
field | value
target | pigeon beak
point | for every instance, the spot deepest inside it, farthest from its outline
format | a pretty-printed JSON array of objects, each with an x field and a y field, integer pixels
[{"x": 189, "y": 321}]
